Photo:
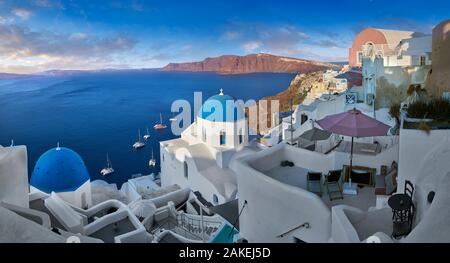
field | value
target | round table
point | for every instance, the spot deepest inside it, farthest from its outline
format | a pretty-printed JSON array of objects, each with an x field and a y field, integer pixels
[
  {"x": 401, "y": 214},
  {"x": 400, "y": 202}
]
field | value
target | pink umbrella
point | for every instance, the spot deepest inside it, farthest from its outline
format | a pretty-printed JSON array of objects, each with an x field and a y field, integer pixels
[{"x": 355, "y": 124}]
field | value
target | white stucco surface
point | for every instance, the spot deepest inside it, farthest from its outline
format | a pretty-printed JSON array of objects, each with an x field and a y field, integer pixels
[
  {"x": 14, "y": 175},
  {"x": 16, "y": 229},
  {"x": 424, "y": 160},
  {"x": 434, "y": 226}
]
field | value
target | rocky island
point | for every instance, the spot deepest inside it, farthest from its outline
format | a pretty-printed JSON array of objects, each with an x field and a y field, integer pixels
[{"x": 253, "y": 63}]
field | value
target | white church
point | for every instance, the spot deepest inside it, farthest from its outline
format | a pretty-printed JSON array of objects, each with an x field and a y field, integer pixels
[{"x": 201, "y": 158}]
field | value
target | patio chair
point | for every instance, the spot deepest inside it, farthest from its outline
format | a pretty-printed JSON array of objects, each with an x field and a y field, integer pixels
[
  {"x": 409, "y": 189},
  {"x": 314, "y": 183},
  {"x": 333, "y": 184}
]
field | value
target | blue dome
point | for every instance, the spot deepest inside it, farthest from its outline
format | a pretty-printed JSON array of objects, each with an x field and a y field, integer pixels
[
  {"x": 229, "y": 112},
  {"x": 59, "y": 170}
]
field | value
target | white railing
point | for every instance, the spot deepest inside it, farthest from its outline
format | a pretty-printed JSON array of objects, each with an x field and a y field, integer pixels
[{"x": 382, "y": 50}]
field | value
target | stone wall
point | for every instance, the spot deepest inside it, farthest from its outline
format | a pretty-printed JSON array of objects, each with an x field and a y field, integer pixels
[{"x": 439, "y": 80}]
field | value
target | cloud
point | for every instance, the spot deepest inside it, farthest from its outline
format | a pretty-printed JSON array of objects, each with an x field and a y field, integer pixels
[
  {"x": 136, "y": 6},
  {"x": 329, "y": 33},
  {"x": 49, "y": 4},
  {"x": 252, "y": 46},
  {"x": 21, "y": 45},
  {"x": 230, "y": 35},
  {"x": 280, "y": 39},
  {"x": 78, "y": 36},
  {"x": 329, "y": 43},
  {"x": 22, "y": 13}
]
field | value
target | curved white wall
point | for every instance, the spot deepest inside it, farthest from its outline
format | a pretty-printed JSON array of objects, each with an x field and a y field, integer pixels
[
  {"x": 424, "y": 160},
  {"x": 14, "y": 175},
  {"x": 274, "y": 207}
]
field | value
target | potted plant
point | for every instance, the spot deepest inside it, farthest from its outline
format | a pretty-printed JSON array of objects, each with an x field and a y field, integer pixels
[
  {"x": 419, "y": 112},
  {"x": 394, "y": 112}
]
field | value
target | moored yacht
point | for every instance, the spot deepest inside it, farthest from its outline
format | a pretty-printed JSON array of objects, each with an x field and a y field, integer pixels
[
  {"x": 108, "y": 169},
  {"x": 152, "y": 161},
  {"x": 147, "y": 135},
  {"x": 160, "y": 125},
  {"x": 173, "y": 119},
  {"x": 139, "y": 144}
]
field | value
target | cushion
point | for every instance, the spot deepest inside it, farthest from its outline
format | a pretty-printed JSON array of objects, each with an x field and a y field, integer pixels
[
  {"x": 391, "y": 182},
  {"x": 380, "y": 181},
  {"x": 361, "y": 177}
]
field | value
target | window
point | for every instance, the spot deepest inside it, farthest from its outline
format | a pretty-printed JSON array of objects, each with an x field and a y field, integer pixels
[
  {"x": 304, "y": 118},
  {"x": 241, "y": 137},
  {"x": 186, "y": 170},
  {"x": 423, "y": 60},
  {"x": 163, "y": 157},
  {"x": 360, "y": 57},
  {"x": 222, "y": 138},
  {"x": 215, "y": 199},
  {"x": 84, "y": 201},
  {"x": 204, "y": 135}
]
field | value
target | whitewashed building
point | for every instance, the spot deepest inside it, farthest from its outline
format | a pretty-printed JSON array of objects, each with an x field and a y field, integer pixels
[{"x": 200, "y": 158}]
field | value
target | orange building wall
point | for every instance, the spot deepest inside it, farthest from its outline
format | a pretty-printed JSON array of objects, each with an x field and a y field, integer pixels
[{"x": 368, "y": 35}]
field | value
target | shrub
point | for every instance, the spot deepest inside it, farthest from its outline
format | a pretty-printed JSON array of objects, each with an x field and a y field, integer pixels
[
  {"x": 437, "y": 109},
  {"x": 394, "y": 111},
  {"x": 440, "y": 109},
  {"x": 419, "y": 110},
  {"x": 423, "y": 126},
  {"x": 413, "y": 88}
]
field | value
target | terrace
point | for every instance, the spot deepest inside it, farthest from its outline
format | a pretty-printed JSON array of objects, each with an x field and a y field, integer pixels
[
  {"x": 297, "y": 176},
  {"x": 269, "y": 171}
]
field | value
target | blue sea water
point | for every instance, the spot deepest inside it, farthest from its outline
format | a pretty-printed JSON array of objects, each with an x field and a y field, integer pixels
[{"x": 99, "y": 113}]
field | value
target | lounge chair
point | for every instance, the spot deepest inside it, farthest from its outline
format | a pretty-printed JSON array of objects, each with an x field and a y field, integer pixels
[
  {"x": 314, "y": 183},
  {"x": 333, "y": 183}
]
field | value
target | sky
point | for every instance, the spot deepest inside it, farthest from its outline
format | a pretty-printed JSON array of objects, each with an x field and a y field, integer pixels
[{"x": 40, "y": 35}]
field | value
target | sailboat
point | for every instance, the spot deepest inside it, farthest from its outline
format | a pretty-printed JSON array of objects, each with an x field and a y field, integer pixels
[
  {"x": 173, "y": 119},
  {"x": 160, "y": 125},
  {"x": 147, "y": 135},
  {"x": 108, "y": 169},
  {"x": 152, "y": 162},
  {"x": 139, "y": 144}
]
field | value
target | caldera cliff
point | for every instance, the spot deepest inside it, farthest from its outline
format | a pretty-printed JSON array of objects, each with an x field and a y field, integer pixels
[{"x": 254, "y": 63}]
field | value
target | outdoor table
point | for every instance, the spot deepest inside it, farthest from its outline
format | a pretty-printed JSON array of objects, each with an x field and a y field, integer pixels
[{"x": 401, "y": 209}]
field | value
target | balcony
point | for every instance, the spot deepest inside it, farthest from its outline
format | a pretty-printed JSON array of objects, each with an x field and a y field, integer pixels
[{"x": 382, "y": 50}]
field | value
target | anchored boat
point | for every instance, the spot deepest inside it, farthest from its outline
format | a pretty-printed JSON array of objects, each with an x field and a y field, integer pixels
[
  {"x": 139, "y": 144},
  {"x": 108, "y": 169},
  {"x": 160, "y": 125}
]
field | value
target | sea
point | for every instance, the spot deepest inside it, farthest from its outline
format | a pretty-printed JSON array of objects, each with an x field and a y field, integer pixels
[{"x": 100, "y": 113}]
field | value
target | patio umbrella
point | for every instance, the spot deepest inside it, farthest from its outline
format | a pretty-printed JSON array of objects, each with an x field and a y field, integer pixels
[
  {"x": 315, "y": 134},
  {"x": 355, "y": 124},
  {"x": 142, "y": 208}
]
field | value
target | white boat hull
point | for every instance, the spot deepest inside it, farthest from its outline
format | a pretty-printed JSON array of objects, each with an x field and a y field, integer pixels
[
  {"x": 159, "y": 126},
  {"x": 106, "y": 171},
  {"x": 138, "y": 145}
]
